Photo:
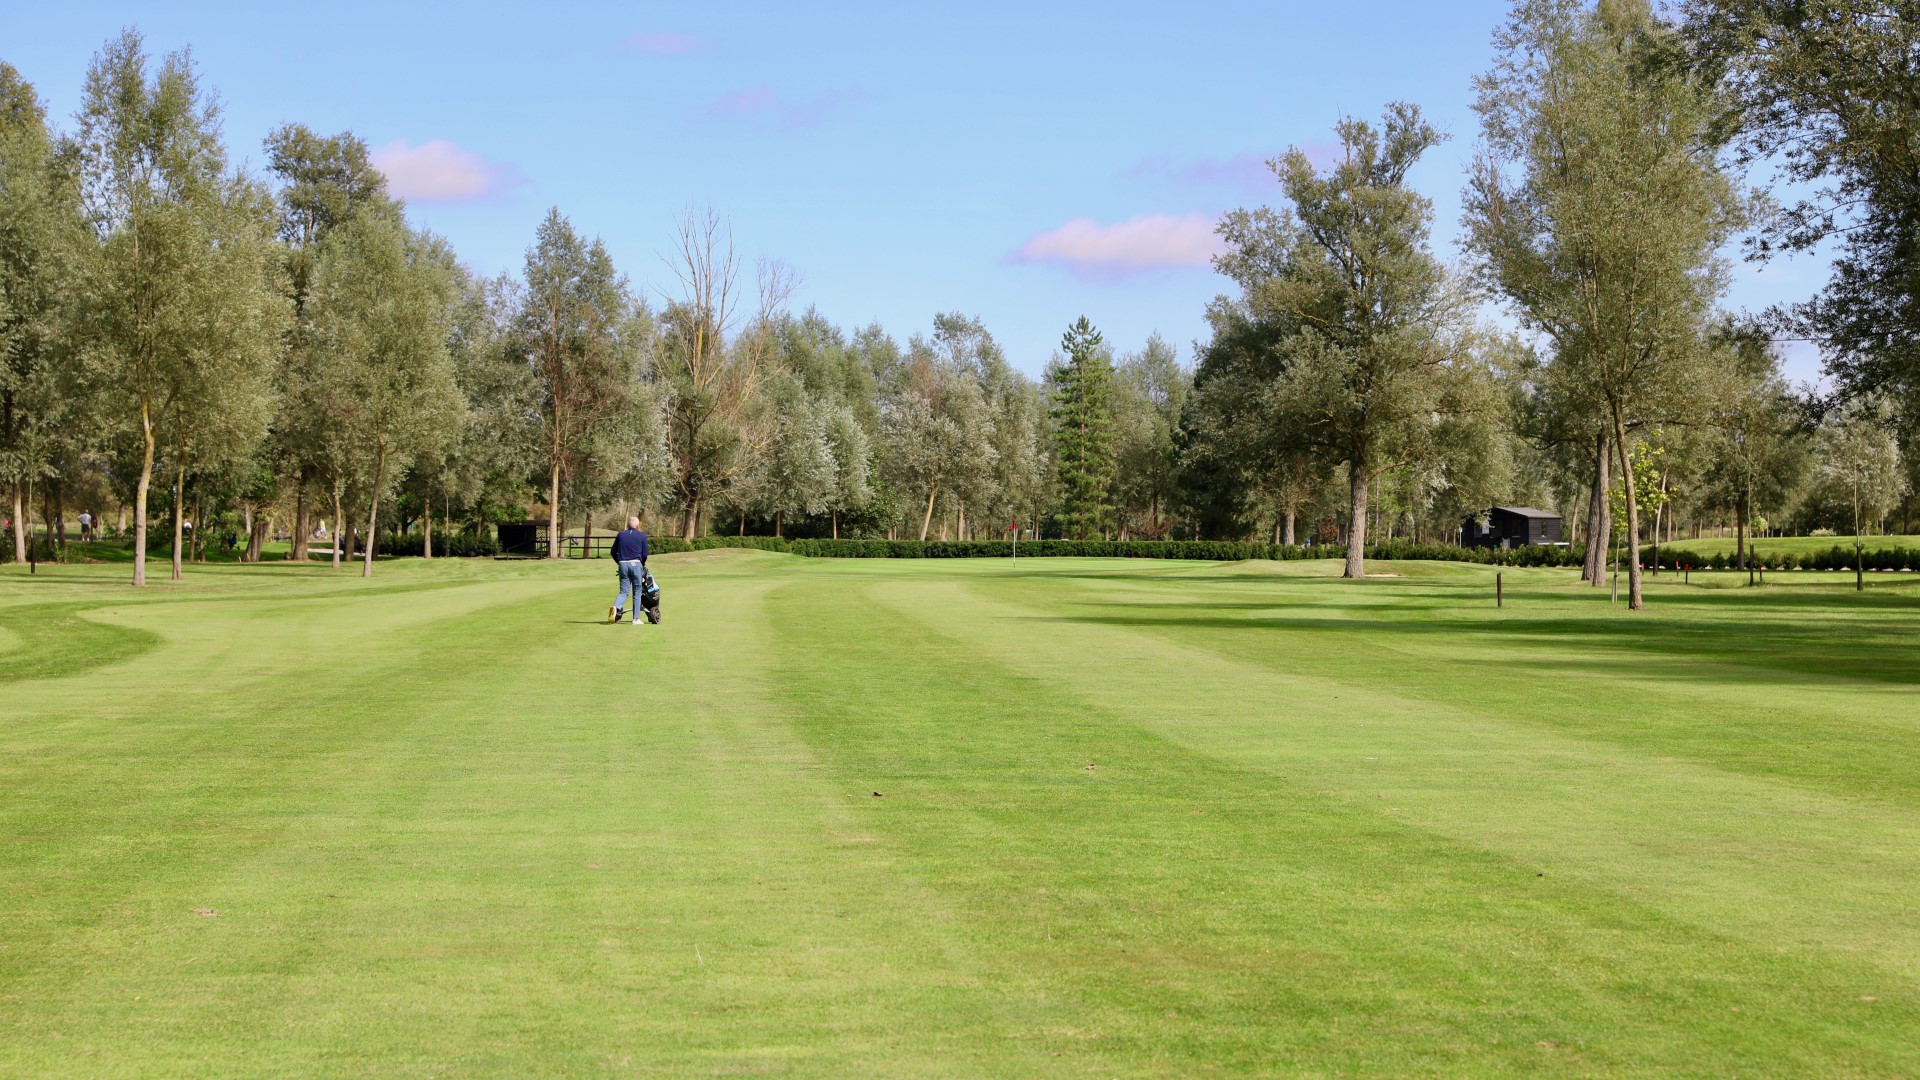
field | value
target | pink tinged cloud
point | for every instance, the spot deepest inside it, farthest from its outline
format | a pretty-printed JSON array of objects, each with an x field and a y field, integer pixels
[
  {"x": 662, "y": 43},
  {"x": 1136, "y": 245},
  {"x": 764, "y": 103},
  {"x": 437, "y": 171}
]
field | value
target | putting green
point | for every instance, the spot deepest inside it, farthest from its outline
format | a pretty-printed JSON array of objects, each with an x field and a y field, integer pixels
[{"x": 913, "y": 818}]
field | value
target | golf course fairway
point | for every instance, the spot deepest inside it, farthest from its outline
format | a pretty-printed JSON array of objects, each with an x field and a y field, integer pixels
[{"x": 924, "y": 818}]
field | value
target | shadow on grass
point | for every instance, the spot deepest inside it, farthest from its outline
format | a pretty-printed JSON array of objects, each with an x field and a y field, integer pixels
[{"x": 1882, "y": 653}]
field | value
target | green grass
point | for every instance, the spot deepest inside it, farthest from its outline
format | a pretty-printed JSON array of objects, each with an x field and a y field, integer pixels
[{"x": 955, "y": 817}]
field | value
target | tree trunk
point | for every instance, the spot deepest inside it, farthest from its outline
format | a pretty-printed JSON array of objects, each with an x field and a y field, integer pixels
[
  {"x": 19, "y": 526},
  {"x": 927, "y": 521},
  {"x": 836, "y": 524},
  {"x": 1634, "y": 599},
  {"x": 1740, "y": 534},
  {"x": 553, "y": 512},
  {"x": 121, "y": 529},
  {"x": 1593, "y": 570},
  {"x": 426, "y": 521},
  {"x": 257, "y": 537},
  {"x": 373, "y": 508},
  {"x": 1286, "y": 528},
  {"x": 197, "y": 543},
  {"x": 691, "y": 520},
  {"x": 776, "y": 524},
  {"x": 1357, "y": 509},
  {"x": 302, "y": 528},
  {"x": 140, "y": 495},
  {"x": 339, "y": 530},
  {"x": 179, "y": 512},
  {"x": 586, "y": 537},
  {"x": 743, "y": 523}
]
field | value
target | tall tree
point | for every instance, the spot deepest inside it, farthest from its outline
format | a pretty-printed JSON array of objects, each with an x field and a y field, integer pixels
[
  {"x": 1360, "y": 306},
  {"x": 325, "y": 182},
  {"x": 1013, "y": 478},
  {"x": 1083, "y": 430},
  {"x": 582, "y": 334},
  {"x": 1858, "y": 467},
  {"x": 40, "y": 237},
  {"x": 382, "y": 307},
  {"x": 937, "y": 435},
  {"x": 1150, "y": 391},
  {"x": 716, "y": 422},
  {"x": 1829, "y": 92},
  {"x": 179, "y": 306},
  {"x": 1599, "y": 205},
  {"x": 1755, "y": 451}
]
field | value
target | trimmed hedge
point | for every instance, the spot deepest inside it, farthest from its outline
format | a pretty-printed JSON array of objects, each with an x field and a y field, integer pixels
[
  {"x": 456, "y": 546},
  {"x": 1202, "y": 550},
  {"x": 1834, "y": 558}
]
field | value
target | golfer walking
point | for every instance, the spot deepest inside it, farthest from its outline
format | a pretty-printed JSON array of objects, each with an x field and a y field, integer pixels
[{"x": 630, "y": 561}]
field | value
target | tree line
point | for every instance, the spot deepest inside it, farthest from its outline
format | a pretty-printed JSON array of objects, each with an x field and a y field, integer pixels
[{"x": 279, "y": 349}]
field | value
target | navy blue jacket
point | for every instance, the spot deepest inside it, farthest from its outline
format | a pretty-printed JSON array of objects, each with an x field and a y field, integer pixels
[{"x": 630, "y": 544}]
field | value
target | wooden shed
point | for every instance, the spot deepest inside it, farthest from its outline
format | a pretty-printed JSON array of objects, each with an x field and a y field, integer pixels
[{"x": 1510, "y": 527}]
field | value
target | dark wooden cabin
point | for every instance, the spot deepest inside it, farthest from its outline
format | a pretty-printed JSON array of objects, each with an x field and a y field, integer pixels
[{"x": 1510, "y": 527}]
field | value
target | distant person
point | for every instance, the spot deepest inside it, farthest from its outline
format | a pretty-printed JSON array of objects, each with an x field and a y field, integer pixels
[
  {"x": 86, "y": 526},
  {"x": 630, "y": 563}
]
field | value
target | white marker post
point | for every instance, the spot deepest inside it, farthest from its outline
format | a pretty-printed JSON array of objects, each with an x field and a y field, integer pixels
[{"x": 1015, "y": 529}]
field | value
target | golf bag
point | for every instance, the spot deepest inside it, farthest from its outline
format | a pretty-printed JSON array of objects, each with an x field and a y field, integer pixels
[{"x": 649, "y": 596}]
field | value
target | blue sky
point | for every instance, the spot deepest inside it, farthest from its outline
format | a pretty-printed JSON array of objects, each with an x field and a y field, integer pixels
[{"x": 1027, "y": 163}]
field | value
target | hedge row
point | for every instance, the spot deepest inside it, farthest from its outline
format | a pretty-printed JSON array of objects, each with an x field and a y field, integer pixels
[
  {"x": 1202, "y": 550},
  {"x": 457, "y": 545},
  {"x": 464, "y": 544},
  {"x": 1834, "y": 558}
]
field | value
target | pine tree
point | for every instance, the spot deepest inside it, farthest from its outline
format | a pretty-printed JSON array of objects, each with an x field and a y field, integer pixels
[{"x": 1083, "y": 432}]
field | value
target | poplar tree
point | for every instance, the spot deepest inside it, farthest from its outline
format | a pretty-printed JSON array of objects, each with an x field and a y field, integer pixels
[
  {"x": 1083, "y": 430},
  {"x": 40, "y": 235},
  {"x": 180, "y": 308},
  {"x": 937, "y": 434},
  {"x": 580, "y": 333},
  {"x": 382, "y": 306},
  {"x": 1599, "y": 205},
  {"x": 326, "y": 182},
  {"x": 1150, "y": 392}
]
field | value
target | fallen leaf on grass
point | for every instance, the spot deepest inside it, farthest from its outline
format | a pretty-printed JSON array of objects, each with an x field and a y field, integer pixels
[
  {"x": 877, "y": 795},
  {"x": 205, "y": 912}
]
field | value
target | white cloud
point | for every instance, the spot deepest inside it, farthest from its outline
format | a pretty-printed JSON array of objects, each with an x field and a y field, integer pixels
[
  {"x": 439, "y": 171},
  {"x": 1145, "y": 242}
]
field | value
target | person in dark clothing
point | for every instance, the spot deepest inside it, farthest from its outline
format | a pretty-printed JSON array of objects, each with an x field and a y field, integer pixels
[{"x": 630, "y": 562}]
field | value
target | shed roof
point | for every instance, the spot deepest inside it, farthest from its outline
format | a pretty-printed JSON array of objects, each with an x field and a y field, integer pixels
[{"x": 1526, "y": 512}]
